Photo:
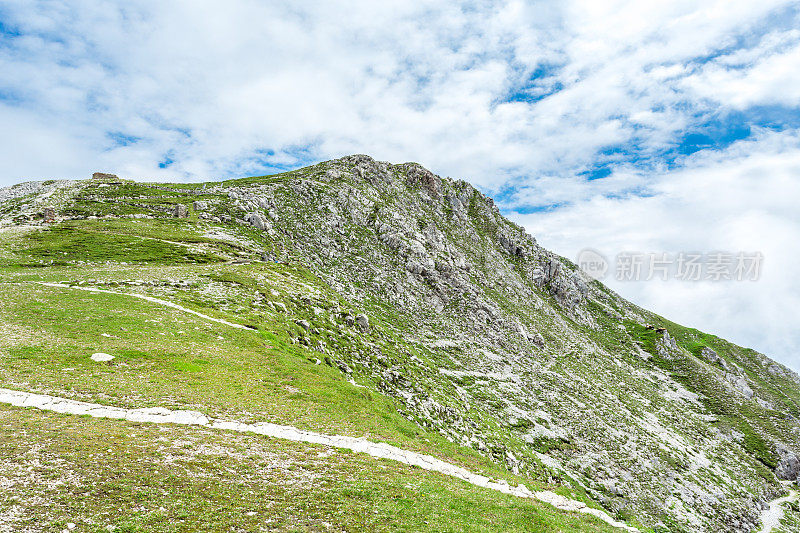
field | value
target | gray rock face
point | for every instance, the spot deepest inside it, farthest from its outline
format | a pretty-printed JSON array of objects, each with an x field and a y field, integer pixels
[
  {"x": 257, "y": 221},
  {"x": 104, "y": 176},
  {"x": 667, "y": 347},
  {"x": 200, "y": 205},
  {"x": 788, "y": 464},
  {"x": 419, "y": 176},
  {"x": 362, "y": 322},
  {"x": 712, "y": 357},
  {"x": 180, "y": 211},
  {"x": 739, "y": 384},
  {"x": 566, "y": 287},
  {"x": 510, "y": 245}
]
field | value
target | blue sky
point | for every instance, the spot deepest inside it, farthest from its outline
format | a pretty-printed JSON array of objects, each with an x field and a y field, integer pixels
[{"x": 617, "y": 125}]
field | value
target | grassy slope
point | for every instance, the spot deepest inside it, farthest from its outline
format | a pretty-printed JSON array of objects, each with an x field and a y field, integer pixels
[
  {"x": 267, "y": 375},
  {"x": 165, "y": 357},
  {"x": 60, "y": 469}
]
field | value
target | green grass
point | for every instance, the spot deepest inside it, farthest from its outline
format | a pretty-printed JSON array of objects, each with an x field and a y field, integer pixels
[
  {"x": 696, "y": 378},
  {"x": 260, "y": 373},
  {"x": 69, "y": 243},
  {"x": 140, "y": 477}
]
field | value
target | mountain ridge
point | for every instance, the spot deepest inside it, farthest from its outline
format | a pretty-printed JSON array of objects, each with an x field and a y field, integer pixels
[{"x": 416, "y": 288}]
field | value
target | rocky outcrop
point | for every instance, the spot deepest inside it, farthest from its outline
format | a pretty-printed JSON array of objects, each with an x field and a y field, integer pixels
[
  {"x": 739, "y": 384},
  {"x": 788, "y": 464},
  {"x": 667, "y": 347},
  {"x": 257, "y": 221},
  {"x": 567, "y": 287},
  {"x": 419, "y": 176},
  {"x": 180, "y": 211},
  {"x": 104, "y": 176},
  {"x": 713, "y": 357}
]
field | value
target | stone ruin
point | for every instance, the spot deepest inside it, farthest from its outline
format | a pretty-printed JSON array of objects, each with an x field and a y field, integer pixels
[{"x": 105, "y": 177}]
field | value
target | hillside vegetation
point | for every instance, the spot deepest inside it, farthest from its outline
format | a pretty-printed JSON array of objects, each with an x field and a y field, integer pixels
[{"x": 380, "y": 301}]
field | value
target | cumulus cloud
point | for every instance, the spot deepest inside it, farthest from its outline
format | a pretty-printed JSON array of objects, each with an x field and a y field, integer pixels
[
  {"x": 490, "y": 91},
  {"x": 571, "y": 111}
]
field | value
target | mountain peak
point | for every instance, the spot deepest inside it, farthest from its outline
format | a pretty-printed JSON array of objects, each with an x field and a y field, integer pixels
[{"x": 410, "y": 299}]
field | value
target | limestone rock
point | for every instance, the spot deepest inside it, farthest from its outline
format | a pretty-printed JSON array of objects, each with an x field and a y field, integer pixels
[
  {"x": 566, "y": 286},
  {"x": 419, "y": 176},
  {"x": 362, "y": 322},
  {"x": 104, "y": 176},
  {"x": 180, "y": 211},
  {"x": 257, "y": 221},
  {"x": 739, "y": 384},
  {"x": 788, "y": 464},
  {"x": 667, "y": 347}
]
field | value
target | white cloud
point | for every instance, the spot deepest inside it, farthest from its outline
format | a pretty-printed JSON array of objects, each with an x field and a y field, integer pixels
[
  {"x": 401, "y": 80},
  {"x": 740, "y": 199},
  {"x": 766, "y": 80}
]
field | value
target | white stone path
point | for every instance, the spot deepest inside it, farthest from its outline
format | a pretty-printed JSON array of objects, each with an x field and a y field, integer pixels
[
  {"x": 771, "y": 517},
  {"x": 380, "y": 450},
  {"x": 158, "y": 301}
]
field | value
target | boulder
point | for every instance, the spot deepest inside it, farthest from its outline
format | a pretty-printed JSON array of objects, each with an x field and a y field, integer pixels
[
  {"x": 256, "y": 220},
  {"x": 180, "y": 211},
  {"x": 200, "y": 205},
  {"x": 362, "y": 322},
  {"x": 788, "y": 464},
  {"x": 536, "y": 339},
  {"x": 101, "y": 357}
]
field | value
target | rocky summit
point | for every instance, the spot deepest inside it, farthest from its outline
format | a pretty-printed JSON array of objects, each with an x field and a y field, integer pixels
[{"x": 373, "y": 302}]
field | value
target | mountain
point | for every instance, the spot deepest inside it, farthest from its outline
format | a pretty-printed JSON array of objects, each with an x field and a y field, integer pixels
[{"x": 363, "y": 299}]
